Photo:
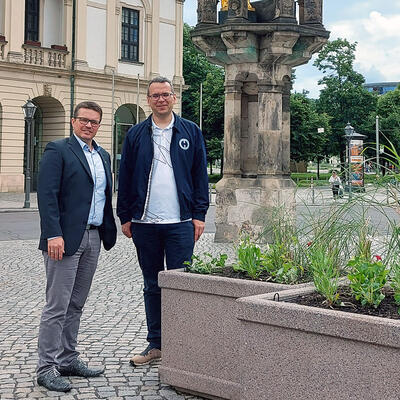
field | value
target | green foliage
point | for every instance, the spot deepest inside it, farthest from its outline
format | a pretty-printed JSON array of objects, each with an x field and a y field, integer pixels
[
  {"x": 215, "y": 149},
  {"x": 250, "y": 258},
  {"x": 395, "y": 282},
  {"x": 196, "y": 70},
  {"x": 343, "y": 97},
  {"x": 306, "y": 143},
  {"x": 206, "y": 265},
  {"x": 285, "y": 258},
  {"x": 367, "y": 279},
  {"x": 325, "y": 272},
  {"x": 389, "y": 112},
  {"x": 280, "y": 266},
  {"x": 214, "y": 178}
]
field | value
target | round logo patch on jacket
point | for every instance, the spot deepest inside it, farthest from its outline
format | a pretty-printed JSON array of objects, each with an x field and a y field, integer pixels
[{"x": 184, "y": 144}]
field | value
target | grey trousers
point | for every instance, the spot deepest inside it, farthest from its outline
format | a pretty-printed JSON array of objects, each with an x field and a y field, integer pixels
[{"x": 68, "y": 285}]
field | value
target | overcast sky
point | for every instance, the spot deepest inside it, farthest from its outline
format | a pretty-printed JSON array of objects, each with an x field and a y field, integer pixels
[{"x": 374, "y": 24}]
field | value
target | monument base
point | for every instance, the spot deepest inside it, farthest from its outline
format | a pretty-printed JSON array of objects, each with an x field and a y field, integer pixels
[{"x": 247, "y": 204}]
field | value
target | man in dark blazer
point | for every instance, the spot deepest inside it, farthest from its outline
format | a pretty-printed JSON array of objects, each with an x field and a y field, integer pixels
[{"x": 74, "y": 196}]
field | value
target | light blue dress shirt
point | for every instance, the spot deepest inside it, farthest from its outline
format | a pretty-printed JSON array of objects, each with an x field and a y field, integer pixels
[{"x": 99, "y": 179}]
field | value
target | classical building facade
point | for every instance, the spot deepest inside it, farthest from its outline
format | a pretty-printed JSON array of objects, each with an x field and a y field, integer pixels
[{"x": 61, "y": 52}]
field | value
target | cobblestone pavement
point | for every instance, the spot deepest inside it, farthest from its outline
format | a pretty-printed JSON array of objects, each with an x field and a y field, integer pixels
[{"x": 113, "y": 325}]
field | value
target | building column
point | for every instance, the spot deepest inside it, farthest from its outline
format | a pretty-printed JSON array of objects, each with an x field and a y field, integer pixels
[
  {"x": 81, "y": 35},
  {"x": 111, "y": 41},
  {"x": 155, "y": 40},
  {"x": 14, "y": 29},
  {"x": 179, "y": 39}
]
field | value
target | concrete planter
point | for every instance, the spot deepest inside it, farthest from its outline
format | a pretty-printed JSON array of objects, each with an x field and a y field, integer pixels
[
  {"x": 201, "y": 335},
  {"x": 298, "y": 352}
]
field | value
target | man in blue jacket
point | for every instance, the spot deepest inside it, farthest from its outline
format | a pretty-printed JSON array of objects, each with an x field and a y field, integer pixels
[
  {"x": 74, "y": 195},
  {"x": 162, "y": 198}
]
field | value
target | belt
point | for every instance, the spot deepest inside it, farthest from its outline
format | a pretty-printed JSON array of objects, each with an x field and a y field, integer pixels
[{"x": 89, "y": 227}]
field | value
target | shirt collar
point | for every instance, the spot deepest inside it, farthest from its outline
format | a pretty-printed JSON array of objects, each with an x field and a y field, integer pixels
[
  {"x": 84, "y": 145},
  {"x": 170, "y": 125}
]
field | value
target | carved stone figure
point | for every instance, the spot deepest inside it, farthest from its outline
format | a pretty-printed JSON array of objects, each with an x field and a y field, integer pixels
[{"x": 207, "y": 11}]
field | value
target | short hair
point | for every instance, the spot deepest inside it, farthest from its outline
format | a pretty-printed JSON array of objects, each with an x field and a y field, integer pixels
[
  {"x": 91, "y": 105},
  {"x": 159, "y": 79}
]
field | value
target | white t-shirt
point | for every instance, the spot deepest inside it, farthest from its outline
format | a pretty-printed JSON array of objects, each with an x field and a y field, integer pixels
[{"x": 163, "y": 204}]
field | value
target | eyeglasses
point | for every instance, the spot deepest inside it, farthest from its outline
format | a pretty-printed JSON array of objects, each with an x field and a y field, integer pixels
[
  {"x": 85, "y": 121},
  {"x": 156, "y": 96}
]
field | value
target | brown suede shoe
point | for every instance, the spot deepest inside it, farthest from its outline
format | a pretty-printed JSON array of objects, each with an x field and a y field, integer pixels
[{"x": 147, "y": 356}]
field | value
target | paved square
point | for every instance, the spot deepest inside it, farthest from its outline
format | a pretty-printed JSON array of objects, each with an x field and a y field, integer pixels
[{"x": 113, "y": 325}]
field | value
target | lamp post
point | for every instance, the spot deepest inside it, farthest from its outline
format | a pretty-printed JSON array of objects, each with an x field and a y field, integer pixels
[
  {"x": 349, "y": 131},
  {"x": 29, "y": 111}
]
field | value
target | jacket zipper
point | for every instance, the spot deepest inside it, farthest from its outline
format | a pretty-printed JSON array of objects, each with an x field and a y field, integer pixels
[{"x": 146, "y": 202}]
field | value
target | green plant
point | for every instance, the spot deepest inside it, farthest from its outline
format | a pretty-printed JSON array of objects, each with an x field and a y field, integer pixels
[
  {"x": 367, "y": 279},
  {"x": 325, "y": 273},
  {"x": 250, "y": 258},
  {"x": 280, "y": 265},
  {"x": 208, "y": 265},
  {"x": 395, "y": 282}
]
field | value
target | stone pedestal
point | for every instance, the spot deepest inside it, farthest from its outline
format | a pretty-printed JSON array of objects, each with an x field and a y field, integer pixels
[
  {"x": 246, "y": 204},
  {"x": 258, "y": 60}
]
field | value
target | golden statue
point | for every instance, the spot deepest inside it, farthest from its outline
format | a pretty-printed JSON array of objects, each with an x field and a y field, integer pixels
[{"x": 224, "y": 5}]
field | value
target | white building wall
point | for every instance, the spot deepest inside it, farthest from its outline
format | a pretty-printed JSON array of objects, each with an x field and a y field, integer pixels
[
  {"x": 130, "y": 69},
  {"x": 96, "y": 37},
  {"x": 167, "y": 50},
  {"x": 53, "y": 23},
  {"x": 2, "y": 12},
  {"x": 103, "y": 2},
  {"x": 136, "y": 3},
  {"x": 167, "y": 9}
]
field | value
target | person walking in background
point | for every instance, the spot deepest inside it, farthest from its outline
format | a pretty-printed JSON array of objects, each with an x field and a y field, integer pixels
[
  {"x": 335, "y": 182},
  {"x": 162, "y": 198},
  {"x": 74, "y": 198}
]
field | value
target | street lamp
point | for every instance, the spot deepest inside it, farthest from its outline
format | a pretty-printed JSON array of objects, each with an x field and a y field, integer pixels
[
  {"x": 29, "y": 111},
  {"x": 349, "y": 131}
]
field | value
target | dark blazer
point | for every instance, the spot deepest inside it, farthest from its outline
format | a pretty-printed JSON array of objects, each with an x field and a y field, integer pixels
[{"x": 64, "y": 193}]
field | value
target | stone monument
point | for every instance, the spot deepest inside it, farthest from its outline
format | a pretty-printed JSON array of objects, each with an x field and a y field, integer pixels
[{"x": 258, "y": 58}]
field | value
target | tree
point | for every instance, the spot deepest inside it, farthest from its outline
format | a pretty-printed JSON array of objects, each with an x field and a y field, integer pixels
[
  {"x": 196, "y": 70},
  {"x": 389, "y": 113},
  {"x": 306, "y": 143},
  {"x": 344, "y": 98}
]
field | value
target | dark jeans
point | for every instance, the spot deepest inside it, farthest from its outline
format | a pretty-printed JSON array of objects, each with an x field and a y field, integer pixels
[{"x": 153, "y": 243}]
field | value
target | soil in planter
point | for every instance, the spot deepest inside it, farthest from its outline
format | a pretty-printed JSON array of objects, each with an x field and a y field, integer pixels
[
  {"x": 228, "y": 272},
  {"x": 387, "y": 308}
]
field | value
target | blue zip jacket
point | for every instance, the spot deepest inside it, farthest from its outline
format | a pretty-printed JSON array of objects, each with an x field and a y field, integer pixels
[{"x": 189, "y": 162}]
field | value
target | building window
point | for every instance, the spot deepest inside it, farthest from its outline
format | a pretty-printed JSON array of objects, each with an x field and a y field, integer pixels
[
  {"x": 32, "y": 20},
  {"x": 130, "y": 35}
]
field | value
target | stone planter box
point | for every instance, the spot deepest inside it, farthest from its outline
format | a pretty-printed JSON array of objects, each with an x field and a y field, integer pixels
[
  {"x": 201, "y": 335},
  {"x": 298, "y": 352}
]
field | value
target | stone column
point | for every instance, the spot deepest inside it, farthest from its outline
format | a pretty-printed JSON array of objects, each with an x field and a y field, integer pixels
[
  {"x": 14, "y": 29},
  {"x": 233, "y": 106},
  {"x": 286, "y": 128},
  {"x": 269, "y": 128}
]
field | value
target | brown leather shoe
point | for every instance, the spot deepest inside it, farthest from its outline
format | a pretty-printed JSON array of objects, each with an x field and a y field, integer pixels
[{"x": 147, "y": 356}]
